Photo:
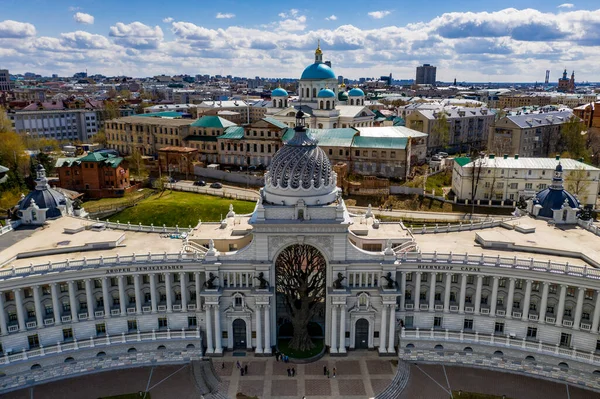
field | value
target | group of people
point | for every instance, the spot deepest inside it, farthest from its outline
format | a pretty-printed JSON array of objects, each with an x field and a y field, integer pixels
[
  {"x": 243, "y": 369},
  {"x": 385, "y": 208},
  {"x": 327, "y": 372},
  {"x": 291, "y": 372},
  {"x": 282, "y": 356}
]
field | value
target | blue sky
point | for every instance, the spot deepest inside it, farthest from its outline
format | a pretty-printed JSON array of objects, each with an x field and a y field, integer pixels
[{"x": 472, "y": 40}]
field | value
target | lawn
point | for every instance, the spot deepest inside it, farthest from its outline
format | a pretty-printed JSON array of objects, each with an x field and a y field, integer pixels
[
  {"x": 104, "y": 203},
  {"x": 284, "y": 348},
  {"x": 473, "y": 395},
  {"x": 438, "y": 181},
  {"x": 180, "y": 208},
  {"x": 130, "y": 396}
]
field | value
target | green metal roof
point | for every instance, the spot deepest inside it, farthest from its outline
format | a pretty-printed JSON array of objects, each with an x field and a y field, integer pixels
[
  {"x": 233, "y": 133},
  {"x": 165, "y": 114},
  {"x": 462, "y": 161},
  {"x": 334, "y": 137},
  {"x": 275, "y": 122},
  {"x": 192, "y": 137},
  {"x": 212, "y": 121},
  {"x": 398, "y": 143},
  {"x": 107, "y": 159}
]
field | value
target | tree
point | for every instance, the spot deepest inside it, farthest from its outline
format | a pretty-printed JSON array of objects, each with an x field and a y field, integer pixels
[
  {"x": 500, "y": 146},
  {"x": 100, "y": 138},
  {"x": 578, "y": 182},
  {"x": 441, "y": 130},
  {"x": 301, "y": 281},
  {"x": 478, "y": 165},
  {"x": 137, "y": 166},
  {"x": 573, "y": 138},
  {"x": 111, "y": 110}
]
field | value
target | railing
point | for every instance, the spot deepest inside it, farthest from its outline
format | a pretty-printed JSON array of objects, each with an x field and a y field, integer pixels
[
  {"x": 499, "y": 342},
  {"x": 589, "y": 226},
  {"x": 140, "y": 227},
  {"x": 99, "y": 342},
  {"x": 9, "y": 227},
  {"x": 457, "y": 227},
  {"x": 101, "y": 262},
  {"x": 216, "y": 192},
  {"x": 500, "y": 262},
  {"x": 407, "y": 246}
]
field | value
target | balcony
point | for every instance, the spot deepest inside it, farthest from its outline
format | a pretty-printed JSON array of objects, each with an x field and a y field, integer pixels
[{"x": 501, "y": 312}]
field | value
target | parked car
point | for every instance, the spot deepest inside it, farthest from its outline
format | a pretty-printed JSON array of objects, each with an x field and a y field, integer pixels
[
  {"x": 172, "y": 180},
  {"x": 199, "y": 183},
  {"x": 216, "y": 185},
  {"x": 442, "y": 154}
]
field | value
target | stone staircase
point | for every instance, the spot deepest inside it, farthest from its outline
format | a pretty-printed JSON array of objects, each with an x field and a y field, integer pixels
[
  {"x": 398, "y": 384},
  {"x": 206, "y": 379}
]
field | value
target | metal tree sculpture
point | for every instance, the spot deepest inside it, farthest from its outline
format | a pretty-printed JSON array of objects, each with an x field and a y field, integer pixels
[{"x": 301, "y": 280}]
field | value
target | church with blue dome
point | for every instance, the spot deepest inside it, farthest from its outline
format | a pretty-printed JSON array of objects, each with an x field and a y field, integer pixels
[{"x": 325, "y": 105}]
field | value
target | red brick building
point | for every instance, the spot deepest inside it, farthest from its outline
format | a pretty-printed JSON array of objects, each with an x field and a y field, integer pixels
[{"x": 96, "y": 174}]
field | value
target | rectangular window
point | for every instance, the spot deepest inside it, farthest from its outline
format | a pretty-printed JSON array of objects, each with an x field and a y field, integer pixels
[
  {"x": 162, "y": 322},
  {"x": 531, "y": 332},
  {"x": 454, "y": 278},
  {"x": 499, "y": 328},
  {"x": 132, "y": 325},
  {"x": 100, "y": 329},
  {"x": 192, "y": 322},
  {"x": 34, "y": 341},
  {"x": 437, "y": 322},
  {"x": 589, "y": 294},
  {"x": 502, "y": 282},
  {"x": 468, "y": 324},
  {"x": 553, "y": 289},
  {"x": 409, "y": 276},
  {"x": 67, "y": 334}
]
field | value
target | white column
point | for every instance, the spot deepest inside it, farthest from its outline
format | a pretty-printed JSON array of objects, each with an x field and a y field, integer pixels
[
  {"x": 543, "y": 303},
  {"x": 561, "y": 305},
  {"x": 72, "y": 302},
  {"x": 463, "y": 293},
  {"x": 154, "y": 293},
  {"x": 55, "y": 304},
  {"x": 402, "y": 290},
  {"x": 511, "y": 297},
  {"x": 259, "y": 348},
  {"x": 3, "y": 326},
  {"x": 198, "y": 298},
  {"x": 392, "y": 327},
  {"x": 418, "y": 291},
  {"x": 342, "y": 343},
  {"x": 447, "y": 292},
  {"x": 89, "y": 295},
  {"x": 105, "y": 297},
  {"x": 20, "y": 311},
  {"x": 333, "y": 344},
  {"x": 268, "y": 329},
  {"x": 494, "y": 296},
  {"x": 138, "y": 293},
  {"x": 383, "y": 330},
  {"x": 122, "y": 300},
  {"x": 595, "y": 321},
  {"x": 578, "y": 308},
  {"x": 478, "y": 294},
  {"x": 527, "y": 300},
  {"x": 183, "y": 281},
  {"x": 432, "y": 292},
  {"x": 209, "y": 330},
  {"x": 218, "y": 333},
  {"x": 39, "y": 316},
  {"x": 169, "y": 293}
]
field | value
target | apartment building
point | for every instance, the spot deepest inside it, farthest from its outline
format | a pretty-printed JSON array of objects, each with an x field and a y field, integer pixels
[
  {"x": 589, "y": 114},
  {"x": 5, "y": 83}
]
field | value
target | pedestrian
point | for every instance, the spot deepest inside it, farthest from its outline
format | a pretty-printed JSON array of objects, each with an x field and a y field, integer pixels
[
  {"x": 238, "y": 364},
  {"x": 324, "y": 370},
  {"x": 223, "y": 365},
  {"x": 327, "y": 373},
  {"x": 242, "y": 371},
  {"x": 246, "y": 369},
  {"x": 289, "y": 372},
  {"x": 276, "y": 355},
  {"x": 334, "y": 370},
  {"x": 293, "y": 372}
]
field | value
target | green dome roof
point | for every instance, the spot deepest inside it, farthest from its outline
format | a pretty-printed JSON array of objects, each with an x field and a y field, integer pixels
[
  {"x": 343, "y": 96},
  {"x": 279, "y": 92},
  {"x": 356, "y": 92},
  {"x": 318, "y": 71},
  {"x": 326, "y": 93}
]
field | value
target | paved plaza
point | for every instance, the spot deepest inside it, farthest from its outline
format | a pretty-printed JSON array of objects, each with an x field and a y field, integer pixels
[{"x": 359, "y": 375}]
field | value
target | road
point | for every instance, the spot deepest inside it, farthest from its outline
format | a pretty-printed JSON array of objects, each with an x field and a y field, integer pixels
[{"x": 226, "y": 191}]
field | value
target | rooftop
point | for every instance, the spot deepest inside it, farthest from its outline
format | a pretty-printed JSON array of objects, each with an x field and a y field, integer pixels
[
  {"x": 212, "y": 121},
  {"x": 529, "y": 163},
  {"x": 142, "y": 120}
]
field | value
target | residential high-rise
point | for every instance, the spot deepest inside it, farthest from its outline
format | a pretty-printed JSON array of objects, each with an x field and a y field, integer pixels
[
  {"x": 5, "y": 84},
  {"x": 426, "y": 74}
]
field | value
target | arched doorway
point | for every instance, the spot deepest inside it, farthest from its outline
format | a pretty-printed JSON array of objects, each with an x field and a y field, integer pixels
[
  {"x": 300, "y": 286},
  {"x": 239, "y": 334},
  {"x": 361, "y": 335}
]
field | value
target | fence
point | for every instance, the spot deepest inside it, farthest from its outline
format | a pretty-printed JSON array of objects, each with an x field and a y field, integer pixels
[
  {"x": 205, "y": 190},
  {"x": 589, "y": 226},
  {"x": 229, "y": 176},
  {"x": 10, "y": 226},
  {"x": 457, "y": 227}
]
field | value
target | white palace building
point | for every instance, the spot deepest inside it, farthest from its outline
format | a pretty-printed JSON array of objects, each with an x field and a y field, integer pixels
[{"x": 79, "y": 296}]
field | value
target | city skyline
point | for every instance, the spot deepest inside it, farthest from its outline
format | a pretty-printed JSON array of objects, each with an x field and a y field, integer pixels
[{"x": 277, "y": 40}]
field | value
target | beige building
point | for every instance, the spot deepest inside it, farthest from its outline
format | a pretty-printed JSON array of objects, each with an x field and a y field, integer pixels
[
  {"x": 5, "y": 83},
  {"x": 504, "y": 180}
]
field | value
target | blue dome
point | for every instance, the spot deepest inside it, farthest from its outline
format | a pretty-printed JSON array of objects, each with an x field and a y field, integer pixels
[
  {"x": 356, "y": 93},
  {"x": 551, "y": 199},
  {"x": 326, "y": 93},
  {"x": 279, "y": 92},
  {"x": 47, "y": 198},
  {"x": 318, "y": 71}
]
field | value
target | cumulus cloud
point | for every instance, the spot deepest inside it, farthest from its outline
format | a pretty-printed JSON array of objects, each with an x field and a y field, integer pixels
[
  {"x": 83, "y": 18},
  {"x": 14, "y": 30},
  {"x": 379, "y": 14},
  {"x": 331, "y": 18},
  {"x": 84, "y": 40},
  {"x": 221, "y": 15},
  {"x": 167, "y": 20},
  {"x": 136, "y": 35},
  {"x": 291, "y": 21},
  {"x": 566, "y": 5}
]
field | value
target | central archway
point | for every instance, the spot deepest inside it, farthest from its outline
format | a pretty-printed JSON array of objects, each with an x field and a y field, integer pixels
[
  {"x": 239, "y": 334},
  {"x": 300, "y": 275}
]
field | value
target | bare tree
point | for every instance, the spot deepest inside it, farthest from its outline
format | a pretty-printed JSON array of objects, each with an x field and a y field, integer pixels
[
  {"x": 441, "y": 129},
  {"x": 301, "y": 281},
  {"x": 478, "y": 165},
  {"x": 500, "y": 146},
  {"x": 578, "y": 182}
]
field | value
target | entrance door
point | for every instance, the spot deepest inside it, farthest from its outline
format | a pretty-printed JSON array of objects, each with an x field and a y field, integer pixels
[
  {"x": 239, "y": 334},
  {"x": 361, "y": 334}
]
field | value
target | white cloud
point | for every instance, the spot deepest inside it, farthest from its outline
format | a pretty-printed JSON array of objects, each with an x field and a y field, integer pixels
[
  {"x": 14, "y": 30},
  {"x": 566, "y": 5},
  {"x": 83, "y": 18},
  {"x": 167, "y": 20},
  {"x": 136, "y": 35},
  {"x": 73, "y": 8},
  {"x": 331, "y": 18},
  {"x": 379, "y": 14},
  {"x": 221, "y": 15},
  {"x": 84, "y": 40}
]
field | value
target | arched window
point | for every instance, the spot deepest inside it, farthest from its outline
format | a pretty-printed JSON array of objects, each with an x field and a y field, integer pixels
[
  {"x": 320, "y": 126},
  {"x": 410, "y": 346},
  {"x": 439, "y": 348},
  {"x": 363, "y": 300},
  {"x": 468, "y": 349},
  {"x": 190, "y": 346},
  {"x": 327, "y": 104},
  {"x": 335, "y": 125},
  {"x": 314, "y": 92}
]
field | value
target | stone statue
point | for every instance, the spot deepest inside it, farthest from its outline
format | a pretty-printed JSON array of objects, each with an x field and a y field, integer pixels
[
  {"x": 263, "y": 282},
  {"x": 77, "y": 204},
  {"x": 210, "y": 283},
  {"x": 337, "y": 284},
  {"x": 211, "y": 245},
  {"x": 391, "y": 284}
]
